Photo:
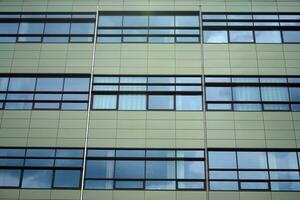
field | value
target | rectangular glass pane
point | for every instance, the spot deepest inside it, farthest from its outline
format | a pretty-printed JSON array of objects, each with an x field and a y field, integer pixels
[
  {"x": 223, "y": 185},
  {"x": 129, "y": 169},
  {"x": 100, "y": 153},
  {"x": 57, "y": 28},
  {"x": 21, "y": 84},
  {"x": 160, "y": 153},
  {"x": 252, "y": 160},
  {"x": 188, "y": 102},
  {"x": 98, "y": 184},
  {"x": 31, "y": 28},
  {"x": 222, "y": 160},
  {"x": 135, "y": 21},
  {"x": 219, "y": 106},
  {"x": 104, "y": 102},
  {"x": 130, "y": 153},
  {"x": 9, "y": 28},
  {"x": 161, "y": 21},
  {"x": 282, "y": 160},
  {"x": 252, "y": 175},
  {"x": 100, "y": 169},
  {"x": 10, "y": 178},
  {"x": 161, "y": 102},
  {"x": 274, "y": 94},
  {"x": 70, "y": 153},
  {"x": 267, "y": 37},
  {"x": 190, "y": 21},
  {"x": 291, "y": 36},
  {"x": 82, "y": 28},
  {"x": 223, "y": 175},
  {"x": 48, "y": 153},
  {"x": 190, "y": 185},
  {"x": 74, "y": 106},
  {"x": 247, "y": 107},
  {"x": 241, "y": 36},
  {"x": 215, "y": 36},
  {"x": 160, "y": 169},
  {"x": 110, "y": 21},
  {"x": 77, "y": 84},
  {"x": 284, "y": 175},
  {"x": 12, "y": 152},
  {"x": 190, "y": 154},
  {"x": 160, "y": 185},
  {"x": 49, "y": 84},
  {"x": 132, "y": 102},
  {"x": 190, "y": 170},
  {"x": 218, "y": 94},
  {"x": 295, "y": 94},
  {"x": 18, "y": 106},
  {"x": 246, "y": 93},
  {"x": 67, "y": 179},
  {"x": 254, "y": 185},
  {"x": 37, "y": 179},
  {"x": 129, "y": 184},
  {"x": 285, "y": 186}
]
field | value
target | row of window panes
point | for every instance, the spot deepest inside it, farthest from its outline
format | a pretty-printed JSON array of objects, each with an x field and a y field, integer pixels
[
  {"x": 149, "y": 80},
  {"x": 258, "y": 16},
  {"x": 33, "y": 28},
  {"x": 252, "y": 107},
  {"x": 246, "y": 170},
  {"x": 147, "y": 102},
  {"x": 256, "y": 169},
  {"x": 151, "y": 21},
  {"x": 48, "y": 16},
  {"x": 249, "y": 36}
]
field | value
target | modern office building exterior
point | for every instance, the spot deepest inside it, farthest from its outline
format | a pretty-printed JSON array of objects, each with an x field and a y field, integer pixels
[{"x": 150, "y": 99}]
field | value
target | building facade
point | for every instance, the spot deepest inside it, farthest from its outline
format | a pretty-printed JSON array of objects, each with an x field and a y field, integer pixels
[{"x": 150, "y": 99}]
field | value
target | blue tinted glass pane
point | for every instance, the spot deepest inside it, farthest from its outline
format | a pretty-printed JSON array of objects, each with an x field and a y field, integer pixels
[
  {"x": 247, "y": 107},
  {"x": 8, "y": 39},
  {"x": 160, "y": 185},
  {"x": 285, "y": 186},
  {"x": 104, "y": 102},
  {"x": 81, "y": 39},
  {"x": 215, "y": 36},
  {"x": 135, "y": 21},
  {"x": 284, "y": 175},
  {"x": 161, "y": 20},
  {"x": 161, "y": 102},
  {"x": 56, "y": 39},
  {"x": 39, "y": 162},
  {"x": 295, "y": 107},
  {"x": 68, "y": 163},
  {"x": 291, "y": 36},
  {"x": 218, "y": 106},
  {"x": 161, "y": 39},
  {"x": 77, "y": 84},
  {"x": 40, "y": 153},
  {"x": 241, "y": 36},
  {"x": 49, "y": 84},
  {"x": 160, "y": 153},
  {"x": 74, "y": 106},
  {"x": 132, "y": 102},
  {"x": 110, "y": 21},
  {"x": 37, "y": 179},
  {"x": 223, "y": 185},
  {"x": 9, "y": 178},
  {"x": 190, "y": 154},
  {"x": 11, "y": 162},
  {"x": 3, "y": 84},
  {"x": 67, "y": 178},
  {"x": 295, "y": 94},
  {"x": 160, "y": 169},
  {"x": 82, "y": 28},
  {"x": 276, "y": 107},
  {"x": 274, "y": 93},
  {"x": 19, "y": 96},
  {"x": 74, "y": 153},
  {"x": 190, "y": 185},
  {"x": 187, "y": 39},
  {"x": 188, "y": 102},
  {"x": 225, "y": 160},
  {"x": 282, "y": 160},
  {"x": 46, "y": 106},
  {"x": 18, "y": 106},
  {"x": 252, "y": 160},
  {"x": 98, "y": 184},
  {"x": 47, "y": 96},
  {"x": 190, "y": 169},
  {"x": 57, "y": 28},
  {"x": 129, "y": 184},
  {"x": 12, "y": 152},
  {"x": 222, "y": 175},
  {"x": 31, "y": 28},
  {"x": 129, "y": 169},
  {"x": 187, "y": 21},
  {"x": 9, "y": 28},
  {"x": 267, "y": 36},
  {"x": 130, "y": 153},
  {"x": 109, "y": 39},
  {"x": 272, "y": 80},
  {"x": 218, "y": 94},
  {"x": 246, "y": 93},
  {"x": 21, "y": 84},
  {"x": 100, "y": 169},
  {"x": 260, "y": 175},
  {"x": 100, "y": 153},
  {"x": 134, "y": 39},
  {"x": 254, "y": 185}
]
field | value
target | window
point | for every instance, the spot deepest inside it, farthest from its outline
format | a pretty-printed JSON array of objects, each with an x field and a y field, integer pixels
[
  {"x": 160, "y": 185},
  {"x": 225, "y": 160},
  {"x": 132, "y": 102},
  {"x": 190, "y": 170},
  {"x": 31, "y": 28},
  {"x": 291, "y": 36},
  {"x": 218, "y": 94},
  {"x": 246, "y": 93},
  {"x": 37, "y": 179},
  {"x": 49, "y": 84},
  {"x": 188, "y": 102},
  {"x": 9, "y": 28},
  {"x": 160, "y": 170},
  {"x": 161, "y": 102},
  {"x": 215, "y": 36},
  {"x": 129, "y": 169},
  {"x": 241, "y": 36},
  {"x": 267, "y": 37},
  {"x": 21, "y": 84},
  {"x": 76, "y": 84},
  {"x": 104, "y": 102},
  {"x": 67, "y": 178},
  {"x": 275, "y": 94},
  {"x": 10, "y": 178},
  {"x": 252, "y": 160},
  {"x": 100, "y": 169},
  {"x": 57, "y": 28},
  {"x": 295, "y": 94},
  {"x": 282, "y": 160}
]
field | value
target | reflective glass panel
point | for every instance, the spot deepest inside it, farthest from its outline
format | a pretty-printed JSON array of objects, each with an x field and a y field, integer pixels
[
  {"x": 246, "y": 93},
  {"x": 49, "y": 84},
  {"x": 100, "y": 169},
  {"x": 267, "y": 37},
  {"x": 161, "y": 20},
  {"x": 291, "y": 36},
  {"x": 188, "y": 102},
  {"x": 57, "y": 28},
  {"x": 104, "y": 102},
  {"x": 132, "y": 102},
  {"x": 161, "y": 102},
  {"x": 10, "y": 178},
  {"x": 129, "y": 169},
  {"x": 190, "y": 170},
  {"x": 76, "y": 84},
  {"x": 282, "y": 160},
  {"x": 160, "y": 169},
  {"x": 82, "y": 28},
  {"x": 37, "y": 179},
  {"x": 21, "y": 84},
  {"x": 252, "y": 160},
  {"x": 135, "y": 21},
  {"x": 225, "y": 160},
  {"x": 241, "y": 36},
  {"x": 215, "y": 36},
  {"x": 274, "y": 94},
  {"x": 67, "y": 178},
  {"x": 9, "y": 28},
  {"x": 31, "y": 28},
  {"x": 218, "y": 94}
]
